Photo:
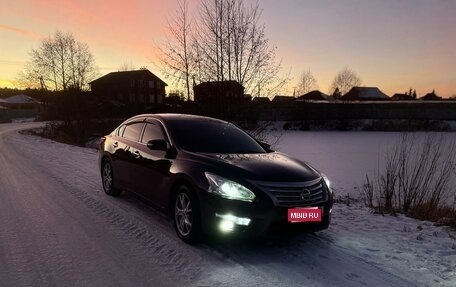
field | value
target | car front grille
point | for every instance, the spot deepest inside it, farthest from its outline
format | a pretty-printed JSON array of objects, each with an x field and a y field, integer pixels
[{"x": 288, "y": 194}]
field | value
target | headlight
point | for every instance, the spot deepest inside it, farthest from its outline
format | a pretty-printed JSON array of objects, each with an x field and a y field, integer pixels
[{"x": 228, "y": 189}]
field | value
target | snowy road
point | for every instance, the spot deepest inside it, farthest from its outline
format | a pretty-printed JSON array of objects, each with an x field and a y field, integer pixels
[{"x": 58, "y": 228}]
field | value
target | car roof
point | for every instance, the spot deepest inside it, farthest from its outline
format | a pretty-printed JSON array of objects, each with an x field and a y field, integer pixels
[{"x": 172, "y": 117}]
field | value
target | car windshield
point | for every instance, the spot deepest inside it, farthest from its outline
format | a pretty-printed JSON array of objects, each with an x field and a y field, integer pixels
[{"x": 212, "y": 136}]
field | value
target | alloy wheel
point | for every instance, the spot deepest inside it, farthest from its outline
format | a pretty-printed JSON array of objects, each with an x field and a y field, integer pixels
[
  {"x": 107, "y": 176},
  {"x": 183, "y": 214}
]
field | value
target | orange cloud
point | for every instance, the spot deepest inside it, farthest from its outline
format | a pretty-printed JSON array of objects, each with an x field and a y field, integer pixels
[{"x": 19, "y": 31}]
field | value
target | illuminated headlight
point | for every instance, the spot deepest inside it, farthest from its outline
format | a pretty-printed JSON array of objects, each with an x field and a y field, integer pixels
[{"x": 228, "y": 189}]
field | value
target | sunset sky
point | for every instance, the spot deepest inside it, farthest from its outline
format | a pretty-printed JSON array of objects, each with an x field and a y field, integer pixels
[{"x": 392, "y": 44}]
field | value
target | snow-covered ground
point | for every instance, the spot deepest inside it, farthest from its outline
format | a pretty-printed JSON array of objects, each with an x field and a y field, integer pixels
[
  {"x": 347, "y": 157},
  {"x": 57, "y": 228}
]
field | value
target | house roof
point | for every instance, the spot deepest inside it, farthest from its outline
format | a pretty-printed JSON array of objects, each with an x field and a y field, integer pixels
[
  {"x": 315, "y": 95},
  {"x": 430, "y": 96},
  {"x": 364, "y": 93},
  {"x": 283, "y": 99},
  {"x": 18, "y": 99},
  {"x": 209, "y": 84},
  {"x": 126, "y": 75},
  {"x": 403, "y": 97},
  {"x": 261, "y": 99}
]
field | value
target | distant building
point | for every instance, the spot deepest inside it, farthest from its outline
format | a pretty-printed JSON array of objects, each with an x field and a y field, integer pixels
[
  {"x": 173, "y": 98},
  {"x": 261, "y": 100},
  {"x": 283, "y": 99},
  {"x": 364, "y": 94},
  {"x": 219, "y": 93},
  {"x": 19, "y": 102},
  {"x": 402, "y": 97},
  {"x": 430, "y": 97},
  {"x": 315, "y": 96},
  {"x": 140, "y": 88}
]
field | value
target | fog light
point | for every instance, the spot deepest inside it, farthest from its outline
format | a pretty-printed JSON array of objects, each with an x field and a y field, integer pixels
[
  {"x": 237, "y": 220},
  {"x": 226, "y": 225}
]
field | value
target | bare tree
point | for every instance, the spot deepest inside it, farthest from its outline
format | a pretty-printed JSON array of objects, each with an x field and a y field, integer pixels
[
  {"x": 61, "y": 63},
  {"x": 225, "y": 42},
  {"x": 233, "y": 46},
  {"x": 345, "y": 80},
  {"x": 307, "y": 82},
  {"x": 176, "y": 54},
  {"x": 127, "y": 66}
]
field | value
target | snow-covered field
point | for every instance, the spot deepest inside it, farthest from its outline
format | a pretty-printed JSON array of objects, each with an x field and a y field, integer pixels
[
  {"x": 347, "y": 157},
  {"x": 57, "y": 228}
]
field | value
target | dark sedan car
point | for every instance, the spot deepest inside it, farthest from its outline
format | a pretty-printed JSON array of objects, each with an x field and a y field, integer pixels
[{"x": 212, "y": 177}]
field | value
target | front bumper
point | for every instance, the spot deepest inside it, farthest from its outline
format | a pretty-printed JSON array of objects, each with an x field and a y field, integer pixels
[{"x": 262, "y": 215}]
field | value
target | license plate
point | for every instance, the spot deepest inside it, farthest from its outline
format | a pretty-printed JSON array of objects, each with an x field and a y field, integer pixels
[{"x": 308, "y": 214}]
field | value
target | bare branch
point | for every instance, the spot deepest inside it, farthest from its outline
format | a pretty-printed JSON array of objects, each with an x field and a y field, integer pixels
[
  {"x": 345, "y": 80},
  {"x": 306, "y": 83},
  {"x": 60, "y": 62},
  {"x": 227, "y": 42}
]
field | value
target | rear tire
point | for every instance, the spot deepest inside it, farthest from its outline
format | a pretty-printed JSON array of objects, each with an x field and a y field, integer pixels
[
  {"x": 186, "y": 215},
  {"x": 107, "y": 178}
]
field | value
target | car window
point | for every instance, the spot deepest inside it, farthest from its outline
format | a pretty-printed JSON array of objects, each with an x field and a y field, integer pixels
[
  {"x": 133, "y": 131},
  {"x": 152, "y": 132},
  {"x": 120, "y": 131},
  {"x": 210, "y": 136}
]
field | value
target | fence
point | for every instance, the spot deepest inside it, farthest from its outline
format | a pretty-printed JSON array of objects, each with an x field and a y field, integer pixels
[{"x": 302, "y": 110}]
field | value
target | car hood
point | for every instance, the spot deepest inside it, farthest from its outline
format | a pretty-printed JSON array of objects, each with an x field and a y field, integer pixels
[{"x": 272, "y": 166}]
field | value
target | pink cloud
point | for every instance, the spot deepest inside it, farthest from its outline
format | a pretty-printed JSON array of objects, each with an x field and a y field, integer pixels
[
  {"x": 21, "y": 32},
  {"x": 131, "y": 25}
]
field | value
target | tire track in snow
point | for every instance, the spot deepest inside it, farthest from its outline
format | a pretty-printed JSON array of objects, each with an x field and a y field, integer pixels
[
  {"x": 48, "y": 255},
  {"x": 309, "y": 258},
  {"x": 154, "y": 241},
  {"x": 163, "y": 253},
  {"x": 139, "y": 239}
]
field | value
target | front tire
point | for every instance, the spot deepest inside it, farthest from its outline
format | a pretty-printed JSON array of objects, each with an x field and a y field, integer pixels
[
  {"x": 187, "y": 221},
  {"x": 107, "y": 177}
]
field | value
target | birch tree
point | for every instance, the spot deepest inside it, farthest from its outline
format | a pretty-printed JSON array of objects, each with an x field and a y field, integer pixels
[
  {"x": 345, "y": 80},
  {"x": 60, "y": 63},
  {"x": 177, "y": 54},
  {"x": 307, "y": 82},
  {"x": 235, "y": 47},
  {"x": 224, "y": 41}
]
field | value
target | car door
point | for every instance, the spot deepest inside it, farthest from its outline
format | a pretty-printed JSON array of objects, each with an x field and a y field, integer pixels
[
  {"x": 152, "y": 166},
  {"x": 124, "y": 156}
]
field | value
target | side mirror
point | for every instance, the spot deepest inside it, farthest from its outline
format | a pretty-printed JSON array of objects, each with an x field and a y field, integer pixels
[{"x": 157, "y": 145}]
